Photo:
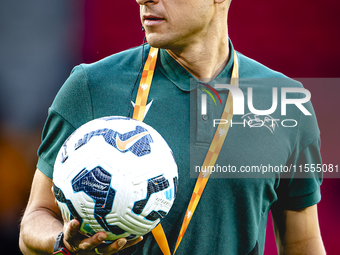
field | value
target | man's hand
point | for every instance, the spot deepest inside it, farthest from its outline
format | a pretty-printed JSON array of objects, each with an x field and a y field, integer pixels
[
  {"x": 42, "y": 222},
  {"x": 80, "y": 244}
]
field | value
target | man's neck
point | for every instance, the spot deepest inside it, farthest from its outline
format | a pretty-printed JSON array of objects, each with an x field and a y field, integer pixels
[{"x": 204, "y": 59}]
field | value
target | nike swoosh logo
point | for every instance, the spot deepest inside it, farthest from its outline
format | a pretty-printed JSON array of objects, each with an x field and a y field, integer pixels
[{"x": 124, "y": 145}]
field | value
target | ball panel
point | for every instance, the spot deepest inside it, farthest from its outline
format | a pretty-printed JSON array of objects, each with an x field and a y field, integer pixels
[{"x": 116, "y": 175}]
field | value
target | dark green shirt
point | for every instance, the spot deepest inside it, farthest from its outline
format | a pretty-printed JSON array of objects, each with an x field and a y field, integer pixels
[{"x": 232, "y": 214}]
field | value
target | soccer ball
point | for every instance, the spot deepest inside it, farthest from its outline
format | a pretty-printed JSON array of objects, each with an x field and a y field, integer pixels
[{"x": 117, "y": 175}]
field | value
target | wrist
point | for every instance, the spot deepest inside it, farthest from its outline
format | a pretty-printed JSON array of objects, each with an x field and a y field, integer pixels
[{"x": 59, "y": 246}]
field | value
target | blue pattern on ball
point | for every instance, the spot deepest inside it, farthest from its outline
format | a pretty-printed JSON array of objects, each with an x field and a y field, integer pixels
[{"x": 96, "y": 184}]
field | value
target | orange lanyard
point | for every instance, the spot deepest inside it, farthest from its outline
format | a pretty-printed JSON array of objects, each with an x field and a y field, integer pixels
[
  {"x": 144, "y": 85},
  {"x": 210, "y": 158}
]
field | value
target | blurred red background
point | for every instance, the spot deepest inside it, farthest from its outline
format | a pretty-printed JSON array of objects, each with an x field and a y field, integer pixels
[{"x": 297, "y": 38}]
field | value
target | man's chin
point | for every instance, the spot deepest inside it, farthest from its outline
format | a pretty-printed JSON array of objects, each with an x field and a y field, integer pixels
[{"x": 156, "y": 41}]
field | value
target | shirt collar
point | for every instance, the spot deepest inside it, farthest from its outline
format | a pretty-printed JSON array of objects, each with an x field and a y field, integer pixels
[{"x": 185, "y": 80}]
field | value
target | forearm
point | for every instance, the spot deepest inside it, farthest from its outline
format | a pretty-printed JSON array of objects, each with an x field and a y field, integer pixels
[
  {"x": 297, "y": 232},
  {"x": 38, "y": 232},
  {"x": 312, "y": 246},
  {"x": 42, "y": 221}
]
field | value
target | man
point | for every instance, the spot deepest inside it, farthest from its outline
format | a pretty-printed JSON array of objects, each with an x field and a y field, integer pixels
[{"x": 231, "y": 217}]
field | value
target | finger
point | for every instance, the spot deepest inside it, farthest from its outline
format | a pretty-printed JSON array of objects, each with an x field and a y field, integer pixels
[
  {"x": 114, "y": 247},
  {"x": 93, "y": 241},
  {"x": 72, "y": 230},
  {"x": 71, "y": 235},
  {"x": 133, "y": 242},
  {"x": 119, "y": 244}
]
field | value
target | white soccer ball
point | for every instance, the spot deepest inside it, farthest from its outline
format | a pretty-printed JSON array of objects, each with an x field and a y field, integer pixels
[{"x": 117, "y": 175}]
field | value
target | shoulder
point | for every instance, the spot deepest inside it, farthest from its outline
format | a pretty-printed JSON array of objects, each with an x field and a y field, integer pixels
[
  {"x": 250, "y": 68},
  {"x": 254, "y": 72},
  {"x": 119, "y": 64},
  {"x": 290, "y": 94},
  {"x": 101, "y": 81}
]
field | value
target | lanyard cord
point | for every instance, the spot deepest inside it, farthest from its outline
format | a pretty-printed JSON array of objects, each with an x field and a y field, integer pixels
[
  {"x": 145, "y": 84},
  {"x": 210, "y": 158}
]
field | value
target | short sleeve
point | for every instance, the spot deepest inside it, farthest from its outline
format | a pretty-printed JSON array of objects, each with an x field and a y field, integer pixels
[
  {"x": 55, "y": 132},
  {"x": 300, "y": 187},
  {"x": 71, "y": 108}
]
